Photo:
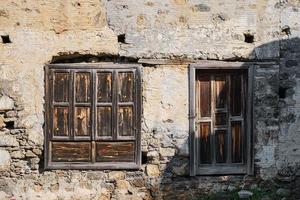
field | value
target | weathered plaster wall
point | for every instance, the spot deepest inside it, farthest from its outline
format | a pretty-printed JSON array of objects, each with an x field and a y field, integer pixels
[{"x": 215, "y": 30}]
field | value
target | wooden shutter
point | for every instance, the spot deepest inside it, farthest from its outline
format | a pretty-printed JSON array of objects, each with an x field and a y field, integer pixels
[
  {"x": 218, "y": 123},
  {"x": 93, "y": 116}
]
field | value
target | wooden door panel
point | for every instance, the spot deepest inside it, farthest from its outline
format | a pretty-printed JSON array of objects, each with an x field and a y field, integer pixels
[
  {"x": 115, "y": 151},
  {"x": 82, "y": 87},
  {"x": 204, "y": 132},
  {"x": 236, "y": 95},
  {"x": 82, "y": 121},
  {"x": 221, "y": 146},
  {"x": 104, "y": 121},
  {"x": 71, "y": 151},
  {"x": 126, "y": 86},
  {"x": 220, "y": 91},
  {"x": 236, "y": 135},
  {"x": 61, "y": 121},
  {"x": 125, "y": 121},
  {"x": 104, "y": 86},
  {"x": 61, "y": 87}
]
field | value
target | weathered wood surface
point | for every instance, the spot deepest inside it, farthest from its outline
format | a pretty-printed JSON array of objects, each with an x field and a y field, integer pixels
[
  {"x": 61, "y": 87},
  {"x": 71, "y": 151},
  {"x": 114, "y": 151},
  {"x": 82, "y": 123},
  {"x": 61, "y": 121},
  {"x": 104, "y": 87},
  {"x": 104, "y": 121},
  {"x": 83, "y": 87}
]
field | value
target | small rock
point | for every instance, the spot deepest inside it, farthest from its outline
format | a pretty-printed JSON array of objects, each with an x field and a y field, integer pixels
[
  {"x": 2, "y": 124},
  {"x": 116, "y": 175},
  {"x": 152, "y": 155},
  {"x": 283, "y": 192},
  {"x": 231, "y": 188},
  {"x": 3, "y": 195},
  {"x": 122, "y": 185},
  {"x": 11, "y": 114},
  {"x": 166, "y": 152},
  {"x": 180, "y": 171},
  {"x": 37, "y": 151},
  {"x": 152, "y": 170},
  {"x": 17, "y": 154},
  {"x": 6, "y": 103},
  {"x": 8, "y": 141},
  {"x": 244, "y": 194},
  {"x": 29, "y": 154}
]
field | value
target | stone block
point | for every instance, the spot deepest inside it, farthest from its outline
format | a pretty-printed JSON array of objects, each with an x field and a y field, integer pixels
[
  {"x": 4, "y": 160},
  {"x": 152, "y": 170},
  {"x": 244, "y": 194},
  {"x": 166, "y": 152},
  {"x": 282, "y": 192},
  {"x": 6, "y": 103},
  {"x": 2, "y": 123},
  {"x": 122, "y": 185},
  {"x": 8, "y": 141},
  {"x": 116, "y": 175}
]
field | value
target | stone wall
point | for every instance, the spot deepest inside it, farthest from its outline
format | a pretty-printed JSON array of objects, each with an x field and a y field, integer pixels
[{"x": 36, "y": 33}]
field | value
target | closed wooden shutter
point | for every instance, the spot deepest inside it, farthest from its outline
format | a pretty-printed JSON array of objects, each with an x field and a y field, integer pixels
[{"x": 93, "y": 116}]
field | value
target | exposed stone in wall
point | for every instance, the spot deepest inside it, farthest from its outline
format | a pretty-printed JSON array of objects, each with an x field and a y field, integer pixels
[{"x": 206, "y": 30}]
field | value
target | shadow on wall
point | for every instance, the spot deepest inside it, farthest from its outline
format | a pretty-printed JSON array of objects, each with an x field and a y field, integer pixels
[{"x": 275, "y": 97}]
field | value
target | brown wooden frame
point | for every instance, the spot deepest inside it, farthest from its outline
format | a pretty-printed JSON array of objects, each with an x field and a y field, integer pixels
[
  {"x": 93, "y": 68},
  {"x": 225, "y": 169}
]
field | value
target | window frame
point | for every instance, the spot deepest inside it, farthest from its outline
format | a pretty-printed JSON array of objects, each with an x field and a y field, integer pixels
[
  {"x": 225, "y": 169},
  {"x": 86, "y": 67}
]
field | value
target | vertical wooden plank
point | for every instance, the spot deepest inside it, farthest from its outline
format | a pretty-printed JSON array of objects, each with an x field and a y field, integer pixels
[
  {"x": 104, "y": 86},
  {"x": 115, "y": 106},
  {"x": 61, "y": 87},
  {"x": 48, "y": 98},
  {"x": 83, "y": 87},
  {"x": 138, "y": 115},
  {"x": 236, "y": 135},
  {"x": 94, "y": 106},
  {"x": 221, "y": 146},
  {"x": 125, "y": 120},
  {"x": 72, "y": 105},
  {"x": 213, "y": 119},
  {"x": 193, "y": 153},
  {"x": 228, "y": 77},
  {"x": 61, "y": 121},
  {"x": 250, "y": 120},
  {"x": 104, "y": 121},
  {"x": 236, "y": 94},
  {"x": 125, "y": 83},
  {"x": 205, "y": 143},
  {"x": 82, "y": 121},
  {"x": 220, "y": 91}
]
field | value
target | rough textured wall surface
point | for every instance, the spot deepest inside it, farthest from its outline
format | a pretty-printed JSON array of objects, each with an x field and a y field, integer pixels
[{"x": 259, "y": 30}]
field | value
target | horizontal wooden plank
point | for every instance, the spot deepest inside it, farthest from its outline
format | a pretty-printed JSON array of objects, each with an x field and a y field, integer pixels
[
  {"x": 71, "y": 151},
  {"x": 90, "y": 166},
  {"x": 166, "y": 61},
  {"x": 221, "y": 169},
  {"x": 115, "y": 151},
  {"x": 100, "y": 65}
]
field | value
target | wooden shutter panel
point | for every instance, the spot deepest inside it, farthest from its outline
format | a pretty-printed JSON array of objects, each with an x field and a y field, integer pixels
[{"x": 93, "y": 117}]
